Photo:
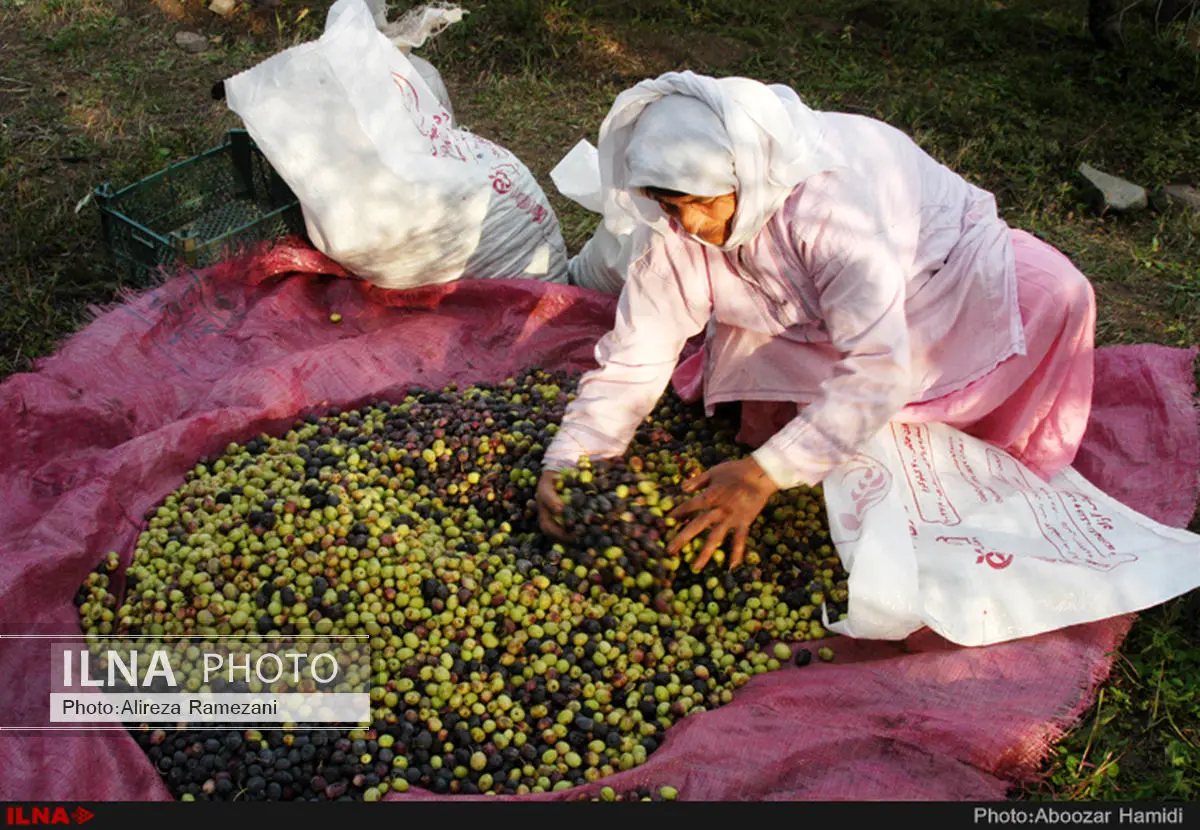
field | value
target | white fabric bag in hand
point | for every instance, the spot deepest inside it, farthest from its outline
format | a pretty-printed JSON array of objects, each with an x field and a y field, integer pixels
[
  {"x": 389, "y": 188},
  {"x": 577, "y": 177},
  {"x": 600, "y": 265},
  {"x": 939, "y": 529}
]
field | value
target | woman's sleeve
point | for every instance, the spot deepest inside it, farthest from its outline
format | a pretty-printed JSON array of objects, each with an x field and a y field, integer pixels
[
  {"x": 661, "y": 306},
  {"x": 862, "y": 288}
]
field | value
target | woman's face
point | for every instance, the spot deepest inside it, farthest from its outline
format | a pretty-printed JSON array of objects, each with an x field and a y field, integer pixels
[{"x": 707, "y": 217}]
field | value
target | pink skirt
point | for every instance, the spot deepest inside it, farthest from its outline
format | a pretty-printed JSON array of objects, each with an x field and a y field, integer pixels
[{"x": 1034, "y": 406}]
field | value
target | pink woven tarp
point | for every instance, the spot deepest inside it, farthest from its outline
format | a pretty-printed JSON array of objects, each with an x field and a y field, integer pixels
[{"x": 107, "y": 427}]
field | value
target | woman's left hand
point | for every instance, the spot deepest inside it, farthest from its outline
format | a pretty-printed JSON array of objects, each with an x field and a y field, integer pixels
[{"x": 735, "y": 492}]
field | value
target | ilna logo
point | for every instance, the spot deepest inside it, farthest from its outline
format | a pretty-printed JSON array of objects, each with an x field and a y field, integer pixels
[
  {"x": 47, "y": 815},
  {"x": 160, "y": 667}
]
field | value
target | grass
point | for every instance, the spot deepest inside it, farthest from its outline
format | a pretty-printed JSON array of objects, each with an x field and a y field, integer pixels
[
  {"x": 1012, "y": 94},
  {"x": 1139, "y": 742}
]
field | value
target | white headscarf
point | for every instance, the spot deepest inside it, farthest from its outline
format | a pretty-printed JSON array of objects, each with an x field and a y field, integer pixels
[
  {"x": 774, "y": 139},
  {"x": 679, "y": 143}
]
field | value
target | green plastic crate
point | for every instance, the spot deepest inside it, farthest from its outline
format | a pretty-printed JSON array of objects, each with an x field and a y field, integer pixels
[{"x": 197, "y": 212}]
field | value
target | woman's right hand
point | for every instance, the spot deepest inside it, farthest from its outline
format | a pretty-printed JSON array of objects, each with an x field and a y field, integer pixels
[{"x": 550, "y": 506}]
